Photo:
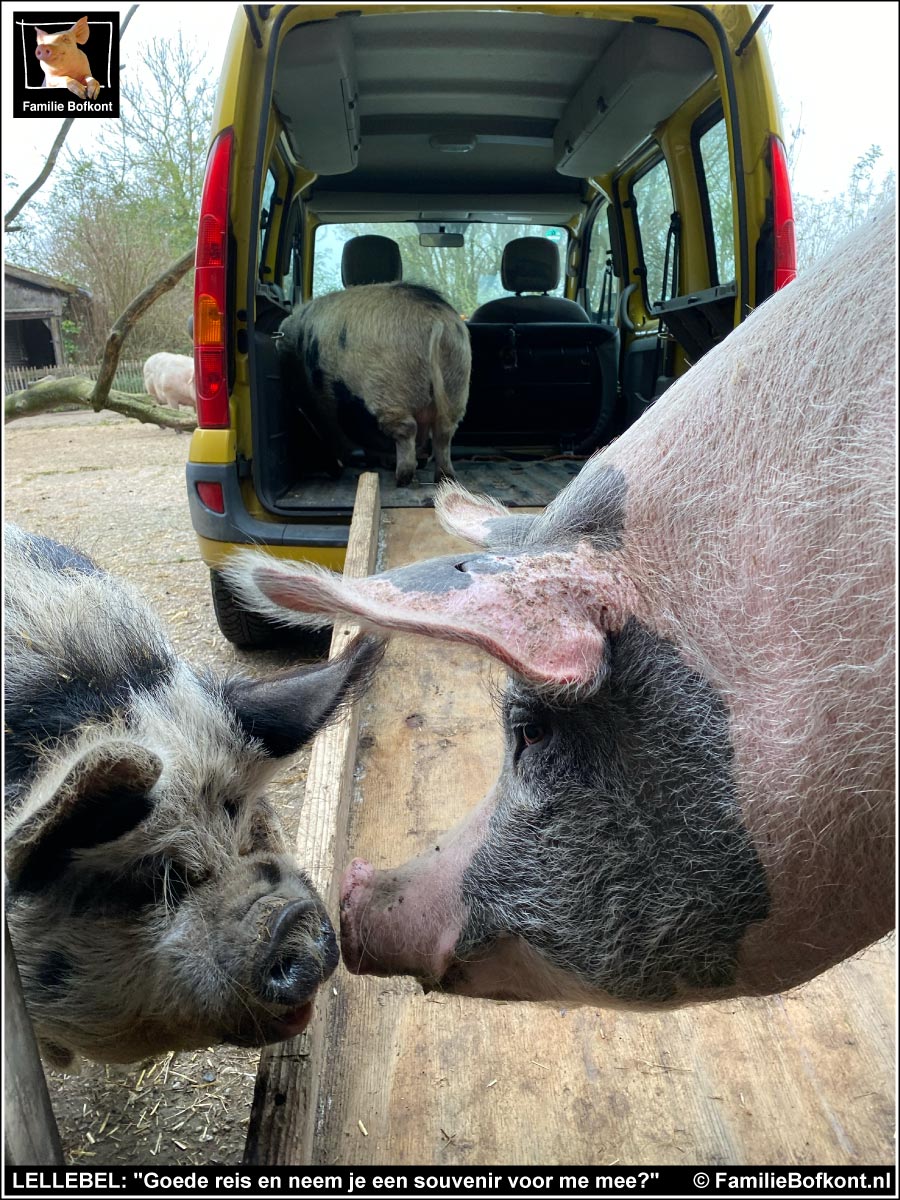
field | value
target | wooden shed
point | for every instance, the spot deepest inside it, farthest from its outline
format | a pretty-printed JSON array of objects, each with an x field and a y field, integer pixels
[{"x": 35, "y": 307}]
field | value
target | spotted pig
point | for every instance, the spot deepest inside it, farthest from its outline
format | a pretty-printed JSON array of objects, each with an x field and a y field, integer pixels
[
  {"x": 382, "y": 363},
  {"x": 151, "y": 898}
]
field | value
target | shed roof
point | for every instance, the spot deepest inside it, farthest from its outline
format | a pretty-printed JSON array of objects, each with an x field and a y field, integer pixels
[{"x": 24, "y": 275}]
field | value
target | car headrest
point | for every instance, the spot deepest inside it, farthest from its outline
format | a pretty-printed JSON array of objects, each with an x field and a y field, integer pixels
[
  {"x": 530, "y": 264},
  {"x": 371, "y": 258}
]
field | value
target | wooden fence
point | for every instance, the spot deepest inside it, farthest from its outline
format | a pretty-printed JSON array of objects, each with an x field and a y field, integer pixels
[{"x": 129, "y": 376}]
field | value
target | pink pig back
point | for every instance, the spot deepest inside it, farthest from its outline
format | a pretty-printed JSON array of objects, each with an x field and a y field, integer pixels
[{"x": 793, "y": 490}]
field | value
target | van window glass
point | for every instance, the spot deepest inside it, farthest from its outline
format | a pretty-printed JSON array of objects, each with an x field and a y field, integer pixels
[
  {"x": 654, "y": 205},
  {"x": 265, "y": 222},
  {"x": 601, "y": 287},
  {"x": 467, "y": 276},
  {"x": 717, "y": 174}
]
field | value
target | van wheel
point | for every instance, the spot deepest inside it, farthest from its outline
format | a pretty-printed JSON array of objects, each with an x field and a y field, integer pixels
[{"x": 250, "y": 631}]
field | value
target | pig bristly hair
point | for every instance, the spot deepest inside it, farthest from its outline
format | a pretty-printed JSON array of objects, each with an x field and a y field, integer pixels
[{"x": 146, "y": 871}]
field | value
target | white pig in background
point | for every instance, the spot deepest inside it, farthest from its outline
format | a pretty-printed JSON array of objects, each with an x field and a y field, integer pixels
[
  {"x": 169, "y": 378},
  {"x": 697, "y": 795},
  {"x": 63, "y": 64}
]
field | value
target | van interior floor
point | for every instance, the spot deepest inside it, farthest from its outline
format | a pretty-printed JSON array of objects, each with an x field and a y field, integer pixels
[{"x": 514, "y": 482}]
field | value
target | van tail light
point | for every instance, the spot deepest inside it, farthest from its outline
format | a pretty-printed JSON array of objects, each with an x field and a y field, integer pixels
[
  {"x": 211, "y": 289},
  {"x": 783, "y": 213},
  {"x": 212, "y": 495}
]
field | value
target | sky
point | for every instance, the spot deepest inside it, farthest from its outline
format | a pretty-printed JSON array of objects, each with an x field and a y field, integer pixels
[{"x": 835, "y": 70}]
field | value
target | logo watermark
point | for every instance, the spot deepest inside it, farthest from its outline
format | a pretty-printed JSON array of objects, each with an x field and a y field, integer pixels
[{"x": 65, "y": 64}]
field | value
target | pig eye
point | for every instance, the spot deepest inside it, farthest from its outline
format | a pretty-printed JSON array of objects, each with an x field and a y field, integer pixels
[{"x": 530, "y": 733}]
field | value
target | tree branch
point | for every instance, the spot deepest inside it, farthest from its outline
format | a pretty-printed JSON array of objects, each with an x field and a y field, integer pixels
[
  {"x": 129, "y": 319},
  {"x": 47, "y": 394},
  {"x": 47, "y": 168}
]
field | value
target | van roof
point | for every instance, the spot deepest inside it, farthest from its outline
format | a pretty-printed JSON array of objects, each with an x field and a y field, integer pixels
[{"x": 480, "y": 103}]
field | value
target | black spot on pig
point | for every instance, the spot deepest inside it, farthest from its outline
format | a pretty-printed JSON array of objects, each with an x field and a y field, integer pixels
[
  {"x": 342, "y": 337},
  {"x": 82, "y": 687},
  {"x": 356, "y": 422},
  {"x": 592, "y": 508},
  {"x": 49, "y": 554},
  {"x": 437, "y": 576},
  {"x": 97, "y": 818},
  {"x": 508, "y": 532},
  {"x": 77, "y": 693},
  {"x": 616, "y": 848},
  {"x": 268, "y": 872},
  {"x": 311, "y": 362}
]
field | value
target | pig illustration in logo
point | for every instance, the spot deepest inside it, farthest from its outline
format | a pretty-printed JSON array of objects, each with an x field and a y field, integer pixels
[{"x": 63, "y": 64}]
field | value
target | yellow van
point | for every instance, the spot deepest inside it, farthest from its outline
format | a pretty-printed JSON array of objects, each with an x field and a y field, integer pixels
[{"x": 356, "y": 143}]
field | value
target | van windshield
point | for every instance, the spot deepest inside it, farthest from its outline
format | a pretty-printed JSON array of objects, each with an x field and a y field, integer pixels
[{"x": 467, "y": 276}]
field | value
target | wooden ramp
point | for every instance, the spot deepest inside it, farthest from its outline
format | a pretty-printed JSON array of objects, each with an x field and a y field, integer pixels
[{"x": 388, "y": 1076}]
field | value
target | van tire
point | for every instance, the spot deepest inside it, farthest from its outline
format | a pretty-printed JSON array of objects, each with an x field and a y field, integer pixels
[{"x": 250, "y": 631}]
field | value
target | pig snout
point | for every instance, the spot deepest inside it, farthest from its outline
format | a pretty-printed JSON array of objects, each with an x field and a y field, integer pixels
[
  {"x": 400, "y": 922},
  {"x": 293, "y": 949},
  {"x": 300, "y": 953},
  {"x": 408, "y": 921}
]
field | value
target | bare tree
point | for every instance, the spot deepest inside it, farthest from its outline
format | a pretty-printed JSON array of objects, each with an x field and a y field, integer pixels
[{"x": 822, "y": 221}]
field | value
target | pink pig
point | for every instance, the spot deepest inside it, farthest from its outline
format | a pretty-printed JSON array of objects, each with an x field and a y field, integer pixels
[
  {"x": 63, "y": 64},
  {"x": 169, "y": 378},
  {"x": 697, "y": 797}
]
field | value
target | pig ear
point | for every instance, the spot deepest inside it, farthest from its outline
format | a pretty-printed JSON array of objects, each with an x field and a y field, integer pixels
[
  {"x": 82, "y": 30},
  {"x": 41, "y": 33},
  {"x": 480, "y": 520},
  {"x": 104, "y": 795},
  {"x": 544, "y": 615},
  {"x": 285, "y": 712}
]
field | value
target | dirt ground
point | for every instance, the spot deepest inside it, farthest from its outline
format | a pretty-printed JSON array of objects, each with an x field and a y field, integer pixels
[{"x": 116, "y": 489}]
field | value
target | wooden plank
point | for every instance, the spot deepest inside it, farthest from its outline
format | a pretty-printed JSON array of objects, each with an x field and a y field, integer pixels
[
  {"x": 286, "y": 1095},
  {"x": 799, "y": 1079},
  {"x": 29, "y": 1127}
]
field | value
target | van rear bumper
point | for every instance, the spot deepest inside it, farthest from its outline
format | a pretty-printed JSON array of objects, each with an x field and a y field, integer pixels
[{"x": 237, "y": 526}]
